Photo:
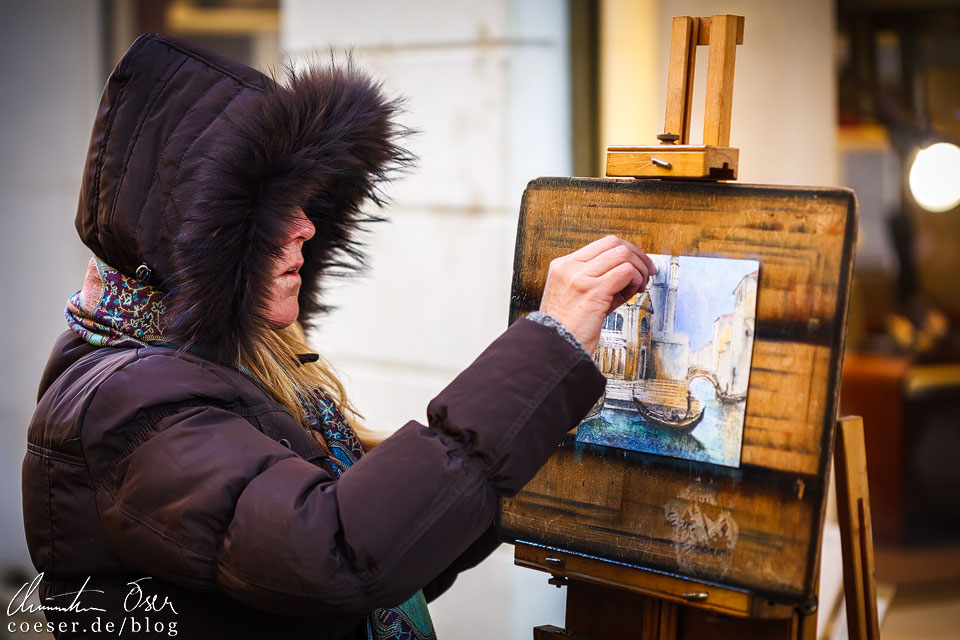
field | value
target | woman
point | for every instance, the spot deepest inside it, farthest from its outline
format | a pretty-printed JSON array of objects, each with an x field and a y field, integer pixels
[{"x": 192, "y": 468}]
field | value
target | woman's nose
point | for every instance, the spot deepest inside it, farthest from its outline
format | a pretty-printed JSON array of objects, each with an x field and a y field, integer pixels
[{"x": 303, "y": 229}]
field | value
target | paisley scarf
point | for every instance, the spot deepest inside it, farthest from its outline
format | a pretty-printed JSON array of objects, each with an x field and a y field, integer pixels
[
  {"x": 113, "y": 310},
  {"x": 410, "y": 620}
]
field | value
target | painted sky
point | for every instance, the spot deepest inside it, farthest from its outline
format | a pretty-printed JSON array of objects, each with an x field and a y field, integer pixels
[{"x": 705, "y": 292}]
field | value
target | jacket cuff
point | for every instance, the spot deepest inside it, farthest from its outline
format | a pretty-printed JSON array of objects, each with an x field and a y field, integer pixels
[{"x": 549, "y": 321}]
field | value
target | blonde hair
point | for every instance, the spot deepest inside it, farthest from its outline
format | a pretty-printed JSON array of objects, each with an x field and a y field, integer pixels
[{"x": 273, "y": 361}]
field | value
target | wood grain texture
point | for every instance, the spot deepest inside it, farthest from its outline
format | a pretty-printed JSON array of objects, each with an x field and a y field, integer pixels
[
  {"x": 680, "y": 73},
  {"x": 756, "y": 527},
  {"x": 673, "y": 516},
  {"x": 686, "y": 161},
  {"x": 728, "y": 601},
  {"x": 686, "y": 34},
  {"x": 718, "y": 105}
]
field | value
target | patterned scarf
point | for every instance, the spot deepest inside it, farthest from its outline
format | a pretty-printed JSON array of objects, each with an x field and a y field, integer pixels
[
  {"x": 113, "y": 310},
  {"x": 410, "y": 620}
]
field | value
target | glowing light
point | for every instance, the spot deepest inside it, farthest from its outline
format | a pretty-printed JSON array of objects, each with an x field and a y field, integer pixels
[{"x": 935, "y": 177}]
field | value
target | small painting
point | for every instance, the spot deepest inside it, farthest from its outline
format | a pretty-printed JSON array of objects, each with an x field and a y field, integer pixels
[{"x": 677, "y": 360}]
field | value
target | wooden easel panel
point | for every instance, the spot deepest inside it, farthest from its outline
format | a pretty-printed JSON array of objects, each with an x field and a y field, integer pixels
[
  {"x": 803, "y": 238},
  {"x": 749, "y": 530},
  {"x": 755, "y": 527}
]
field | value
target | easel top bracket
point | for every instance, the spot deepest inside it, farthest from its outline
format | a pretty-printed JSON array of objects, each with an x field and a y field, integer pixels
[{"x": 675, "y": 157}]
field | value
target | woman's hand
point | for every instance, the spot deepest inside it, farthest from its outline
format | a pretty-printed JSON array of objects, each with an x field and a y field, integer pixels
[{"x": 586, "y": 285}]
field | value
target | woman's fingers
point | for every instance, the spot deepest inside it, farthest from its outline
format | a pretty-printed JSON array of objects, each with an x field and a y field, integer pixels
[
  {"x": 595, "y": 248},
  {"x": 622, "y": 283},
  {"x": 651, "y": 265},
  {"x": 615, "y": 256},
  {"x": 607, "y": 243},
  {"x": 584, "y": 286}
]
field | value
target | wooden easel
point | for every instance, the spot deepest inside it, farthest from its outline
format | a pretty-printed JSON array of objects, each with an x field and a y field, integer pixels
[
  {"x": 607, "y": 600},
  {"x": 675, "y": 157}
]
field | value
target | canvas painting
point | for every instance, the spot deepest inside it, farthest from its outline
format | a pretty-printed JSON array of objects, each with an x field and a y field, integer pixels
[{"x": 677, "y": 360}]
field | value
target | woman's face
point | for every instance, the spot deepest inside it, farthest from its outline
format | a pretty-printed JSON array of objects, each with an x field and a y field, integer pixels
[{"x": 282, "y": 308}]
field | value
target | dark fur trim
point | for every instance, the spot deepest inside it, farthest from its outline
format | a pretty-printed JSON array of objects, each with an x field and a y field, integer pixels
[{"x": 323, "y": 141}]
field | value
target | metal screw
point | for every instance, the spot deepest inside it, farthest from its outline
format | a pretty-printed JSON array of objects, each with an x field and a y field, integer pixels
[{"x": 696, "y": 596}]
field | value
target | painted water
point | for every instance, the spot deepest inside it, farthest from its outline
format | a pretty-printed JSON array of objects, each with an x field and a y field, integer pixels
[{"x": 714, "y": 440}]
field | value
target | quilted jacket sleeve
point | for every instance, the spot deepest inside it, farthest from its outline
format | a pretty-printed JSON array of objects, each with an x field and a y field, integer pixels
[{"x": 203, "y": 499}]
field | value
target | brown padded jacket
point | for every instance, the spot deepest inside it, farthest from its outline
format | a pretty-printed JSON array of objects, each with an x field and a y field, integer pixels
[
  {"x": 150, "y": 462},
  {"x": 164, "y": 487}
]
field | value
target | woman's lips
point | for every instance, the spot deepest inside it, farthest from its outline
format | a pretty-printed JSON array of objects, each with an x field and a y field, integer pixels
[
  {"x": 291, "y": 277},
  {"x": 292, "y": 270}
]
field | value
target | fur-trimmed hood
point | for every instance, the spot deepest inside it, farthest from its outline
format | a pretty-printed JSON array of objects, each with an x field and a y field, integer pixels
[{"x": 196, "y": 163}]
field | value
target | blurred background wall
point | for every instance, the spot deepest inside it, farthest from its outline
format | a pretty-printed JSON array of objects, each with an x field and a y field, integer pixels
[
  {"x": 55, "y": 66},
  {"x": 500, "y": 92}
]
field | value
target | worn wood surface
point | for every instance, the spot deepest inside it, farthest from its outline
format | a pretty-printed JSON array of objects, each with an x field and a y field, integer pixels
[
  {"x": 612, "y": 601},
  {"x": 756, "y": 527},
  {"x": 662, "y": 585}
]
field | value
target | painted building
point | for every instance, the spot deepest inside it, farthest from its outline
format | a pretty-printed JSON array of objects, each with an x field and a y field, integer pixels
[
  {"x": 625, "y": 340},
  {"x": 742, "y": 323},
  {"x": 670, "y": 350},
  {"x": 728, "y": 353},
  {"x": 639, "y": 340}
]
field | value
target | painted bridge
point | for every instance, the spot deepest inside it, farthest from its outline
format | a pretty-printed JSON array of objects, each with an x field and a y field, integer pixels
[{"x": 707, "y": 374}]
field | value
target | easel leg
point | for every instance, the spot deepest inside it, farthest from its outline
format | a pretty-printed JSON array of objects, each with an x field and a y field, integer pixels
[
  {"x": 804, "y": 627},
  {"x": 659, "y": 619},
  {"x": 683, "y": 58},
  {"x": 856, "y": 534},
  {"x": 605, "y": 613}
]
